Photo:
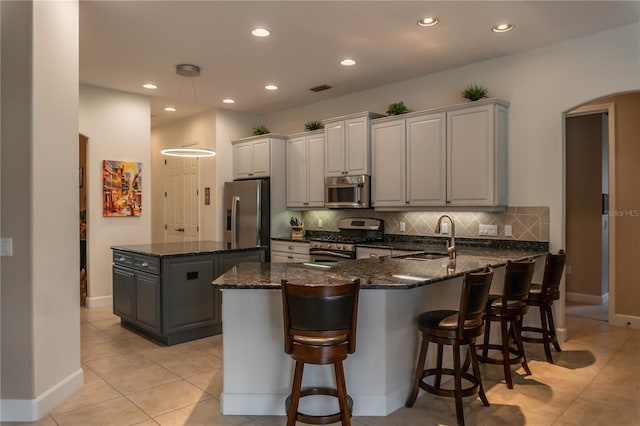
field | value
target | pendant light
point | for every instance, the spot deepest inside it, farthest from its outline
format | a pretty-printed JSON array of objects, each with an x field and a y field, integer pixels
[{"x": 189, "y": 71}]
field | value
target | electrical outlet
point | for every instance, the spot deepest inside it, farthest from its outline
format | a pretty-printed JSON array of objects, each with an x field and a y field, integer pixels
[
  {"x": 403, "y": 227},
  {"x": 444, "y": 228},
  {"x": 508, "y": 231},
  {"x": 488, "y": 230},
  {"x": 319, "y": 223}
]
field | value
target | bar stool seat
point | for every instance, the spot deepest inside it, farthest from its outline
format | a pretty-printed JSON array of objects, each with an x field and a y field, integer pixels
[
  {"x": 319, "y": 328},
  {"x": 508, "y": 309},
  {"x": 455, "y": 328},
  {"x": 542, "y": 295}
]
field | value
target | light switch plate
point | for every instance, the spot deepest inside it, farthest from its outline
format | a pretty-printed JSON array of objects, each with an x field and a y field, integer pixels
[
  {"x": 6, "y": 246},
  {"x": 403, "y": 227},
  {"x": 508, "y": 231}
]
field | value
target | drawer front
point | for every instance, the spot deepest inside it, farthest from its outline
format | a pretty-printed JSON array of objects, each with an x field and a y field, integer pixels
[
  {"x": 123, "y": 259},
  {"x": 147, "y": 263},
  {"x": 290, "y": 247}
]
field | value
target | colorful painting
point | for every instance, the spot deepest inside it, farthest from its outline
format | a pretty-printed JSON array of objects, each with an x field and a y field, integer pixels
[{"x": 121, "y": 188}]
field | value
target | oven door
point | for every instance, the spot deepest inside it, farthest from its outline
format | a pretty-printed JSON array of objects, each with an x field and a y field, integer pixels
[{"x": 327, "y": 256}]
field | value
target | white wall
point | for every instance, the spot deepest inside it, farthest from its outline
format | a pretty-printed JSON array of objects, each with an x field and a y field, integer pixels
[{"x": 118, "y": 127}]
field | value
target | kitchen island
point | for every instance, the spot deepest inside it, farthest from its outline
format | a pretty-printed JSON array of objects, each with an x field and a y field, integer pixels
[
  {"x": 257, "y": 372},
  {"x": 164, "y": 290}
]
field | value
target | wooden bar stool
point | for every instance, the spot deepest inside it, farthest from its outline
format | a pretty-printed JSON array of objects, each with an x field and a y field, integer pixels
[
  {"x": 508, "y": 309},
  {"x": 319, "y": 328},
  {"x": 455, "y": 328},
  {"x": 543, "y": 295}
]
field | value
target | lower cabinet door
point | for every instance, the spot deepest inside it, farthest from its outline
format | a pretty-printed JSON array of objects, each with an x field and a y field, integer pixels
[
  {"x": 123, "y": 291},
  {"x": 147, "y": 302}
]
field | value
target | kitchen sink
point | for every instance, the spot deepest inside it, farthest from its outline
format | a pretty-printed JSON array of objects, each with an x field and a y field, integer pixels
[{"x": 426, "y": 255}]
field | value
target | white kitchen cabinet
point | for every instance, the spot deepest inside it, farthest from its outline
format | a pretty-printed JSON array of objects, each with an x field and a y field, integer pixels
[
  {"x": 289, "y": 252},
  {"x": 252, "y": 157},
  {"x": 409, "y": 161},
  {"x": 447, "y": 157},
  {"x": 305, "y": 170},
  {"x": 477, "y": 155},
  {"x": 347, "y": 147},
  {"x": 368, "y": 252}
]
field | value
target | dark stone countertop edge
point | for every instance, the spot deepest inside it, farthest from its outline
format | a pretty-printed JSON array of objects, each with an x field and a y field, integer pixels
[{"x": 168, "y": 250}]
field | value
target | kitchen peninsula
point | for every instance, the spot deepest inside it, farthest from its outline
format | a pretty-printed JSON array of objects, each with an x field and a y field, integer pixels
[
  {"x": 164, "y": 290},
  {"x": 257, "y": 372}
]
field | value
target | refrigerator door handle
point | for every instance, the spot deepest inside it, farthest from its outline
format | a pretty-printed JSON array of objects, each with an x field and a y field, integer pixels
[{"x": 234, "y": 220}]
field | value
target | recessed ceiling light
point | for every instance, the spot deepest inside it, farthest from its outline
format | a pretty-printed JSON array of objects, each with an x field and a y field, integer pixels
[
  {"x": 228, "y": 101},
  {"x": 261, "y": 32},
  {"x": 170, "y": 109},
  {"x": 502, "y": 28},
  {"x": 271, "y": 87},
  {"x": 347, "y": 62},
  {"x": 150, "y": 86},
  {"x": 428, "y": 21}
]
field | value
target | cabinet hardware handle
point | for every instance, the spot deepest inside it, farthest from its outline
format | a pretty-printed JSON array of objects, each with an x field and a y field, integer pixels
[
  {"x": 407, "y": 202},
  {"x": 121, "y": 259},
  {"x": 290, "y": 257},
  {"x": 144, "y": 264},
  {"x": 290, "y": 247},
  {"x": 373, "y": 255}
]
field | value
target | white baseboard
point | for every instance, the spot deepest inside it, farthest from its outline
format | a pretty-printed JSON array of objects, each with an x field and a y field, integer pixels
[
  {"x": 589, "y": 299},
  {"x": 30, "y": 410},
  {"x": 99, "y": 302},
  {"x": 625, "y": 321}
]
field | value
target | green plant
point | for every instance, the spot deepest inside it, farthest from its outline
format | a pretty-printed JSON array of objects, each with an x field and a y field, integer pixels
[
  {"x": 260, "y": 130},
  {"x": 397, "y": 108},
  {"x": 474, "y": 92},
  {"x": 313, "y": 125}
]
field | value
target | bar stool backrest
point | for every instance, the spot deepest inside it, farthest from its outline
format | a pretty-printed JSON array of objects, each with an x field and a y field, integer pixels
[
  {"x": 473, "y": 300},
  {"x": 517, "y": 281},
  {"x": 320, "y": 315},
  {"x": 553, "y": 269}
]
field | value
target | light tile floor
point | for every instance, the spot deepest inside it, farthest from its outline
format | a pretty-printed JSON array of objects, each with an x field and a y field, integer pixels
[{"x": 130, "y": 380}]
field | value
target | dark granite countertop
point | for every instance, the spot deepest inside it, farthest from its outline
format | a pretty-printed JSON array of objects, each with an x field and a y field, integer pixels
[
  {"x": 191, "y": 248},
  {"x": 375, "y": 273}
]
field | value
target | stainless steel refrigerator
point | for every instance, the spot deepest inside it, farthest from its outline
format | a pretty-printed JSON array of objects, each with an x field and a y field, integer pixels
[{"x": 246, "y": 207}]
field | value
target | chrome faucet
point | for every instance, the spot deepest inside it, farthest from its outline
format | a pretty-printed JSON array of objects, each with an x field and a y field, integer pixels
[{"x": 451, "y": 249}]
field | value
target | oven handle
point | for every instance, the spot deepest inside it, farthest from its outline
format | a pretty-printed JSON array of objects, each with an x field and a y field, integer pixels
[{"x": 330, "y": 253}]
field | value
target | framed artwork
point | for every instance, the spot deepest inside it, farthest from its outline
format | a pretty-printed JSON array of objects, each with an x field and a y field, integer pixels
[{"x": 121, "y": 188}]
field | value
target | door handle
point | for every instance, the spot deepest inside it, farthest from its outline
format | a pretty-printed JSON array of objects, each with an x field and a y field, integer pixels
[{"x": 234, "y": 221}]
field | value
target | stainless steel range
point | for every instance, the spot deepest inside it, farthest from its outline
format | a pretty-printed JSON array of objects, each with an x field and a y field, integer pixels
[{"x": 342, "y": 246}]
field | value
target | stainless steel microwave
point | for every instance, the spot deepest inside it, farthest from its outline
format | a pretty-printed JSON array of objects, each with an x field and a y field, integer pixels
[{"x": 347, "y": 192}]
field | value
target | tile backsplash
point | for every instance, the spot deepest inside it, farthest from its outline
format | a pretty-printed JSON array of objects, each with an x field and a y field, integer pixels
[{"x": 528, "y": 223}]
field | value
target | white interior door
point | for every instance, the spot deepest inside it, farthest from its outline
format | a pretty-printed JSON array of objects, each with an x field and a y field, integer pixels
[{"x": 182, "y": 218}]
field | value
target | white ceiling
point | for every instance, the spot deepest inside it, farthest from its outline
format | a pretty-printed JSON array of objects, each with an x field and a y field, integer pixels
[{"x": 124, "y": 44}]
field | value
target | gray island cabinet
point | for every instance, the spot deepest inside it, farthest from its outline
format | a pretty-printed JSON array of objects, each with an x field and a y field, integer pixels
[{"x": 164, "y": 290}]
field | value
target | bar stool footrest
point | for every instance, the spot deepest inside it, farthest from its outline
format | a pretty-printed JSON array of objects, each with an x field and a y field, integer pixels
[
  {"x": 468, "y": 391},
  {"x": 499, "y": 361},
  {"x": 319, "y": 419}
]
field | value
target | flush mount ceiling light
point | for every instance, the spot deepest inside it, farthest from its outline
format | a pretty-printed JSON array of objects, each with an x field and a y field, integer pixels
[
  {"x": 271, "y": 87},
  {"x": 151, "y": 86},
  {"x": 428, "y": 21},
  {"x": 170, "y": 109},
  {"x": 502, "y": 28},
  {"x": 347, "y": 62},
  {"x": 260, "y": 32},
  {"x": 228, "y": 101},
  {"x": 188, "y": 72}
]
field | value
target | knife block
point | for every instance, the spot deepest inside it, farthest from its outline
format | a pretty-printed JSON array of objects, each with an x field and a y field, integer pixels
[{"x": 297, "y": 232}]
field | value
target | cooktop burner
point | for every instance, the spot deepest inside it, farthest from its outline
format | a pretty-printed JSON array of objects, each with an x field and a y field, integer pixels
[{"x": 352, "y": 231}]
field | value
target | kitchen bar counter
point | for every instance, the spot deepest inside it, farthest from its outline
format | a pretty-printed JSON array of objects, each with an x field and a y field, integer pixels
[
  {"x": 181, "y": 248},
  {"x": 257, "y": 372},
  {"x": 374, "y": 273}
]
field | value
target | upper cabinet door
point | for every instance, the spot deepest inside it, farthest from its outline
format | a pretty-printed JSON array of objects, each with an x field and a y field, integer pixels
[
  {"x": 252, "y": 159},
  {"x": 315, "y": 145},
  {"x": 261, "y": 158},
  {"x": 297, "y": 160},
  {"x": 388, "y": 164},
  {"x": 426, "y": 153},
  {"x": 334, "y": 149},
  {"x": 242, "y": 161},
  {"x": 476, "y": 150},
  {"x": 357, "y": 146}
]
